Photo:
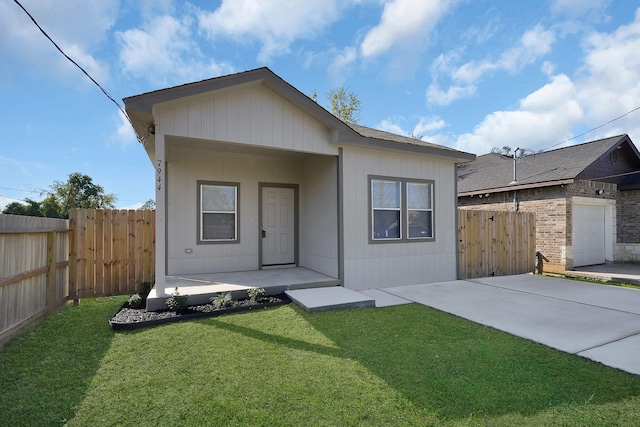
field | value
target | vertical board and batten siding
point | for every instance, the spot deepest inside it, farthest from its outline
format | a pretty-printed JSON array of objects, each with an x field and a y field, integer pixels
[
  {"x": 33, "y": 270},
  {"x": 112, "y": 251},
  {"x": 318, "y": 215},
  {"x": 250, "y": 115},
  {"x": 394, "y": 264},
  {"x": 494, "y": 243},
  {"x": 316, "y": 211}
]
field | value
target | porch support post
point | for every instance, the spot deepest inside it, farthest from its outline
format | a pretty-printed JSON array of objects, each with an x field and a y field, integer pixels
[{"x": 161, "y": 213}]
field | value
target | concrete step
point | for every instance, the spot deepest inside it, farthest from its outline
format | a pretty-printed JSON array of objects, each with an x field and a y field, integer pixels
[
  {"x": 201, "y": 287},
  {"x": 329, "y": 298}
]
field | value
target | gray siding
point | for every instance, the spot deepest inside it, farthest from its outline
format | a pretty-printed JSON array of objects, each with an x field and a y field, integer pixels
[
  {"x": 318, "y": 235},
  {"x": 393, "y": 264},
  {"x": 185, "y": 168},
  {"x": 248, "y": 115},
  {"x": 319, "y": 215}
]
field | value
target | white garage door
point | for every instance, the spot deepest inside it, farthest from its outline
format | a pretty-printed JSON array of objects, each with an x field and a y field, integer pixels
[{"x": 588, "y": 235}]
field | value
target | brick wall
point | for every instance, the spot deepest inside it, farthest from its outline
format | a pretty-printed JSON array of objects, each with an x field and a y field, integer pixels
[
  {"x": 551, "y": 208},
  {"x": 627, "y": 248},
  {"x": 628, "y": 215},
  {"x": 589, "y": 188}
]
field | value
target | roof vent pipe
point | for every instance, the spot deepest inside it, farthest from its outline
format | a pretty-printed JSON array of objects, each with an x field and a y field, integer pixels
[{"x": 515, "y": 162}]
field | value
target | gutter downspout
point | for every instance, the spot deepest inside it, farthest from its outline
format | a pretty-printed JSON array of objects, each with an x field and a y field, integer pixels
[
  {"x": 340, "y": 179},
  {"x": 455, "y": 210}
]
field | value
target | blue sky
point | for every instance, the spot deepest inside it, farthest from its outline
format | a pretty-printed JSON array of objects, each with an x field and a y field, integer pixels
[{"x": 469, "y": 74}]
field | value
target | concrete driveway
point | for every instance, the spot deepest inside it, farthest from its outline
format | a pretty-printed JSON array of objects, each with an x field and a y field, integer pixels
[{"x": 595, "y": 321}]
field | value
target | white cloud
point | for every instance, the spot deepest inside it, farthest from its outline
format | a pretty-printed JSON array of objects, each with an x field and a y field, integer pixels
[
  {"x": 389, "y": 126},
  {"x": 421, "y": 130},
  {"x": 445, "y": 63},
  {"x": 576, "y": 8},
  {"x": 21, "y": 42},
  {"x": 607, "y": 86},
  {"x": 437, "y": 96},
  {"x": 543, "y": 117},
  {"x": 428, "y": 124},
  {"x": 404, "y": 24},
  {"x": 533, "y": 44},
  {"x": 10, "y": 166},
  {"x": 164, "y": 52},
  {"x": 611, "y": 83},
  {"x": 275, "y": 24},
  {"x": 341, "y": 63},
  {"x": 548, "y": 68},
  {"x": 124, "y": 135},
  {"x": 134, "y": 206}
]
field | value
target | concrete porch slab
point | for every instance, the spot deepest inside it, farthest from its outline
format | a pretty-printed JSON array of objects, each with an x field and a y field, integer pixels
[
  {"x": 333, "y": 298},
  {"x": 202, "y": 287}
]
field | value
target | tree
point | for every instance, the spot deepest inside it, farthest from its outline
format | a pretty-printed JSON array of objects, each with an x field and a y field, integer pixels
[
  {"x": 505, "y": 151},
  {"x": 78, "y": 192},
  {"x": 345, "y": 104},
  {"x": 149, "y": 205},
  {"x": 32, "y": 208}
]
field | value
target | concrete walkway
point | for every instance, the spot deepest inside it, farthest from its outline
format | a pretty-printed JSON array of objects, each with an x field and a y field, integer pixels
[
  {"x": 611, "y": 272},
  {"x": 595, "y": 321}
]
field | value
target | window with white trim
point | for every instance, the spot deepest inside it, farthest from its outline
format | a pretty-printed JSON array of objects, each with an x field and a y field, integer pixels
[
  {"x": 419, "y": 210},
  {"x": 401, "y": 209},
  {"x": 386, "y": 209},
  {"x": 218, "y": 210}
]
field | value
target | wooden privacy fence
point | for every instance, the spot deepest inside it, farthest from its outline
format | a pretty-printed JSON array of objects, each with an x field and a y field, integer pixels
[
  {"x": 33, "y": 270},
  {"x": 112, "y": 251},
  {"x": 494, "y": 243}
]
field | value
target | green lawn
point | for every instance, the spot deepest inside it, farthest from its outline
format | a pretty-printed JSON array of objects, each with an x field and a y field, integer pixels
[{"x": 407, "y": 365}]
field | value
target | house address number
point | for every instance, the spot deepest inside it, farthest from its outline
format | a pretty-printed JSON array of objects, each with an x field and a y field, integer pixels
[{"x": 159, "y": 176}]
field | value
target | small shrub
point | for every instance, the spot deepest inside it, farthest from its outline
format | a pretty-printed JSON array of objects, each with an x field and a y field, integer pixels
[
  {"x": 135, "y": 301},
  {"x": 144, "y": 288},
  {"x": 223, "y": 300},
  {"x": 256, "y": 294},
  {"x": 177, "y": 302}
]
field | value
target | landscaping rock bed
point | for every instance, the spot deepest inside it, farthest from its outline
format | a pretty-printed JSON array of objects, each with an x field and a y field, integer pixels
[{"x": 128, "y": 318}]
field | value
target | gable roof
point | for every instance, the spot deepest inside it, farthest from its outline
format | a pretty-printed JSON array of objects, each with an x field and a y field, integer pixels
[
  {"x": 382, "y": 139},
  {"x": 495, "y": 173},
  {"x": 140, "y": 108}
]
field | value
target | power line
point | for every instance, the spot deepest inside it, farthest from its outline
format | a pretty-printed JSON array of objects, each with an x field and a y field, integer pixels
[
  {"x": 12, "y": 198},
  {"x": 18, "y": 189},
  {"x": 104, "y": 91},
  {"x": 595, "y": 128}
]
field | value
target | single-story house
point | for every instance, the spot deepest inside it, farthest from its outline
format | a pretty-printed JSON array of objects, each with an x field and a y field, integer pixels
[
  {"x": 251, "y": 174},
  {"x": 586, "y": 198}
]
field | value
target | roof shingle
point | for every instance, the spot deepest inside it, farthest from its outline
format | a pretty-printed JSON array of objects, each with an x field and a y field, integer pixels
[{"x": 493, "y": 171}]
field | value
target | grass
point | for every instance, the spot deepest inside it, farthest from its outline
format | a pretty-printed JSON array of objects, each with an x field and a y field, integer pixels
[{"x": 408, "y": 365}]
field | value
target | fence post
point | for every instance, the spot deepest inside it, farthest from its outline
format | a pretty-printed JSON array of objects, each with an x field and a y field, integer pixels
[
  {"x": 51, "y": 272},
  {"x": 73, "y": 256}
]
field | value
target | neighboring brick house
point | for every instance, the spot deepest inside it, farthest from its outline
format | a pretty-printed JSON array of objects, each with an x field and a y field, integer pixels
[{"x": 586, "y": 198}]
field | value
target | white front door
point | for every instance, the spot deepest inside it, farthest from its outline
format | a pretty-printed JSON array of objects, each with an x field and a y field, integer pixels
[
  {"x": 588, "y": 234},
  {"x": 278, "y": 226}
]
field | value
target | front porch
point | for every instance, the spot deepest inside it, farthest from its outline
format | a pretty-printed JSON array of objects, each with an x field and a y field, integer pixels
[{"x": 201, "y": 287}]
